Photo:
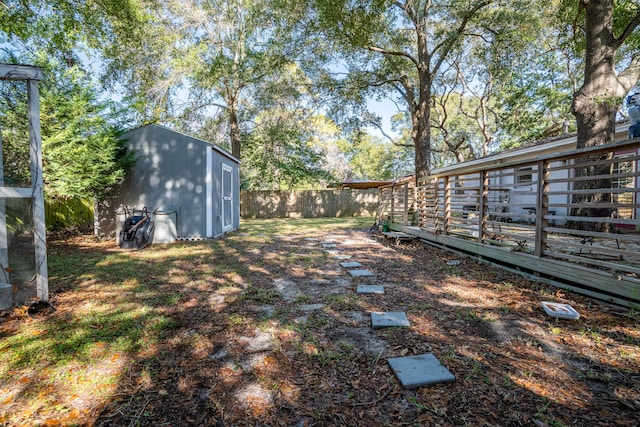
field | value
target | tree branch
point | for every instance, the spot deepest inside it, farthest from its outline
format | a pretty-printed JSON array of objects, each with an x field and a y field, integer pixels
[
  {"x": 395, "y": 142},
  {"x": 635, "y": 22},
  {"x": 393, "y": 53},
  {"x": 631, "y": 74},
  {"x": 449, "y": 42}
]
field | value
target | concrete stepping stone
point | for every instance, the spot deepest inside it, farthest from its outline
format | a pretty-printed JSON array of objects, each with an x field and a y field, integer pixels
[
  {"x": 342, "y": 257},
  {"x": 420, "y": 370},
  {"x": 560, "y": 311},
  {"x": 350, "y": 264},
  {"x": 328, "y": 245},
  {"x": 310, "y": 307},
  {"x": 370, "y": 289},
  {"x": 262, "y": 341},
  {"x": 360, "y": 273},
  {"x": 389, "y": 319}
]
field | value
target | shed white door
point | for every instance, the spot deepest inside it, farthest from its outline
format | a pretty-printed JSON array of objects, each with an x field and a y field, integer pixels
[{"x": 227, "y": 198}]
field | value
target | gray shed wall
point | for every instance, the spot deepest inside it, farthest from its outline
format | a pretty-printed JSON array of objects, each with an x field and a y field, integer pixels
[{"x": 170, "y": 175}]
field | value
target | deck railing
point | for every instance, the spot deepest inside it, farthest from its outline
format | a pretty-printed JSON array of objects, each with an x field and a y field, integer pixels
[{"x": 570, "y": 218}]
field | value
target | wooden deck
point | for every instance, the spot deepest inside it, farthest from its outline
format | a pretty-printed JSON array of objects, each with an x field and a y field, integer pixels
[{"x": 523, "y": 214}]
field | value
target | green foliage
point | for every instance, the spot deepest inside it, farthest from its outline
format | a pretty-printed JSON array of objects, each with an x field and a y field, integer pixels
[
  {"x": 280, "y": 155},
  {"x": 83, "y": 156},
  {"x": 59, "y": 25},
  {"x": 372, "y": 158},
  {"x": 61, "y": 214}
]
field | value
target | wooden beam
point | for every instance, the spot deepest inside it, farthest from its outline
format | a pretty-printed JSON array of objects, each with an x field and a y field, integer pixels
[
  {"x": 447, "y": 204},
  {"x": 16, "y": 193},
  {"x": 483, "y": 204},
  {"x": 4, "y": 236},
  {"x": 542, "y": 198},
  {"x": 20, "y": 72},
  {"x": 586, "y": 280},
  {"x": 405, "y": 213},
  {"x": 40, "y": 230}
]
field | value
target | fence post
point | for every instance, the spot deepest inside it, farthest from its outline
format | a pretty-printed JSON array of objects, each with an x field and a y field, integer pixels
[
  {"x": 405, "y": 217},
  {"x": 393, "y": 203},
  {"x": 436, "y": 207},
  {"x": 542, "y": 208},
  {"x": 483, "y": 199},
  {"x": 447, "y": 204}
]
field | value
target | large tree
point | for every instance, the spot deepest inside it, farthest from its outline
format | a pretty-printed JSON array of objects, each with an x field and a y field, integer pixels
[
  {"x": 82, "y": 153},
  {"x": 60, "y": 27},
  {"x": 401, "y": 47},
  {"x": 204, "y": 65},
  {"x": 608, "y": 31}
]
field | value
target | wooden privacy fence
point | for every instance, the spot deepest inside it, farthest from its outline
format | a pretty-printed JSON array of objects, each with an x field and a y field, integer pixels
[
  {"x": 308, "y": 203},
  {"x": 570, "y": 218},
  {"x": 68, "y": 213}
]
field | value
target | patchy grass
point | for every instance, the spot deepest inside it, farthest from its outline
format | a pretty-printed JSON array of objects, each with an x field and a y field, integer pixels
[{"x": 263, "y": 327}]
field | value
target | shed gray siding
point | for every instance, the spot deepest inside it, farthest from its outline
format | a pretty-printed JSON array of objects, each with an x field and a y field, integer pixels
[{"x": 177, "y": 173}]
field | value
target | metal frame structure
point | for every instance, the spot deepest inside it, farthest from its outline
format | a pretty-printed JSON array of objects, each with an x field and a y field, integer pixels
[{"x": 31, "y": 75}]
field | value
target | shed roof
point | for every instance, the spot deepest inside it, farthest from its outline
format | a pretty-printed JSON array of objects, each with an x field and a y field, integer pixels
[
  {"x": 214, "y": 146},
  {"x": 363, "y": 184}
]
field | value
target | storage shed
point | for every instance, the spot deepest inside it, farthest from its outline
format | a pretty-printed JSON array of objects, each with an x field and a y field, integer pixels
[{"x": 191, "y": 185}]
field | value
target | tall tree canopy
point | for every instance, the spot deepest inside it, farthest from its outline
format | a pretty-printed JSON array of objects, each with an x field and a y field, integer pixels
[
  {"x": 403, "y": 47},
  {"x": 206, "y": 62},
  {"x": 82, "y": 153},
  {"x": 468, "y": 74}
]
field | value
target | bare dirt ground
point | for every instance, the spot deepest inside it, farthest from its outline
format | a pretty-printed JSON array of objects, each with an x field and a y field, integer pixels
[{"x": 267, "y": 330}]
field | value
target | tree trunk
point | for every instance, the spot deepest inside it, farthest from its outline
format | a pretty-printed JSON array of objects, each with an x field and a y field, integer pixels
[
  {"x": 234, "y": 129},
  {"x": 596, "y": 102},
  {"x": 421, "y": 135},
  {"x": 421, "y": 110},
  {"x": 595, "y": 106}
]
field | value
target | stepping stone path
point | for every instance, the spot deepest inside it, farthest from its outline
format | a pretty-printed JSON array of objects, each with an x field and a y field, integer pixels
[
  {"x": 350, "y": 264},
  {"x": 361, "y": 273},
  {"x": 389, "y": 319},
  {"x": 411, "y": 371},
  {"x": 423, "y": 369},
  {"x": 331, "y": 251},
  {"x": 370, "y": 289}
]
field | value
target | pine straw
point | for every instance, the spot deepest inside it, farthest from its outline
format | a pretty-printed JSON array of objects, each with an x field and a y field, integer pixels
[{"x": 268, "y": 330}]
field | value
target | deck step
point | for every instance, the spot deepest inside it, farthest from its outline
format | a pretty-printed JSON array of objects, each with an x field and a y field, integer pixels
[{"x": 398, "y": 235}]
